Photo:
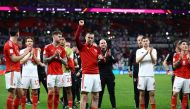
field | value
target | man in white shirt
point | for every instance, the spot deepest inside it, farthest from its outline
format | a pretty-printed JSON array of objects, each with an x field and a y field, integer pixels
[
  {"x": 146, "y": 57},
  {"x": 30, "y": 72}
]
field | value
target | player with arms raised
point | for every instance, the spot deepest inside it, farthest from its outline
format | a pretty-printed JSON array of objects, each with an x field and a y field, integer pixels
[{"x": 90, "y": 55}]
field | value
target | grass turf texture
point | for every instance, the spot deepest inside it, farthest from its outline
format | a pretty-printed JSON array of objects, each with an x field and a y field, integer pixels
[{"x": 123, "y": 89}]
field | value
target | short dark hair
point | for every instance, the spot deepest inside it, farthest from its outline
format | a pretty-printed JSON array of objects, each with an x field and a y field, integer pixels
[
  {"x": 56, "y": 32},
  {"x": 145, "y": 37},
  {"x": 29, "y": 37},
  {"x": 183, "y": 41},
  {"x": 176, "y": 42},
  {"x": 13, "y": 31}
]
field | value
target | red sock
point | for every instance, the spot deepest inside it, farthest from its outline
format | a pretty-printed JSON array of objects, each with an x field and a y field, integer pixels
[
  {"x": 173, "y": 102},
  {"x": 56, "y": 101},
  {"x": 184, "y": 102},
  {"x": 34, "y": 101},
  {"x": 93, "y": 108},
  {"x": 16, "y": 103},
  {"x": 50, "y": 100},
  {"x": 142, "y": 106},
  {"x": 10, "y": 102},
  {"x": 153, "y": 106},
  {"x": 70, "y": 103},
  {"x": 23, "y": 102}
]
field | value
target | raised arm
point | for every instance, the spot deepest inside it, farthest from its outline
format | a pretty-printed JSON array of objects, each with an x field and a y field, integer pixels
[
  {"x": 77, "y": 34},
  {"x": 15, "y": 58},
  {"x": 153, "y": 55},
  {"x": 139, "y": 56},
  {"x": 37, "y": 58},
  {"x": 47, "y": 59},
  {"x": 177, "y": 61}
]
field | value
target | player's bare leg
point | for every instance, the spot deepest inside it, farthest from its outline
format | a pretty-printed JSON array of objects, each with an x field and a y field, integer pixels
[
  {"x": 50, "y": 97},
  {"x": 83, "y": 101},
  {"x": 141, "y": 99},
  {"x": 174, "y": 100},
  {"x": 95, "y": 98},
  {"x": 69, "y": 97},
  {"x": 152, "y": 99},
  {"x": 34, "y": 98}
]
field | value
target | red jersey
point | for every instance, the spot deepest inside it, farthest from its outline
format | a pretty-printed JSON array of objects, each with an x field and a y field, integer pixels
[
  {"x": 54, "y": 66},
  {"x": 11, "y": 48},
  {"x": 88, "y": 54},
  {"x": 183, "y": 70}
]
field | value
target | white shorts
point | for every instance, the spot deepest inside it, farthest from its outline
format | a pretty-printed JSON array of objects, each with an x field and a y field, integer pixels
[
  {"x": 146, "y": 82},
  {"x": 67, "y": 80},
  {"x": 54, "y": 80},
  {"x": 13, "y": 80},
  {"x": 91, "y": 83},
  {"x": 30, "y": 81},
  {"x": 181, "y": 83}
]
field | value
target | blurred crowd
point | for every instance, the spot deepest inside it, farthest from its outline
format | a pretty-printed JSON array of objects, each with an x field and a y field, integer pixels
[
  {"x": 119, "y": 30},
  {"x": 152, "y": 4}
]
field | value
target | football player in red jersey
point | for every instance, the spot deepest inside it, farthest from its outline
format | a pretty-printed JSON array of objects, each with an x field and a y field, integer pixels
[
  {"x": 181, "y": 63},
  {"x": 90, "y": 55},
  {"x": 12, "y": 73},
  {"x": 54, "y": 56}
]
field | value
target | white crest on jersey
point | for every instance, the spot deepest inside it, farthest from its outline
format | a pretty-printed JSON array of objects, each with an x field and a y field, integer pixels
[
  {"x": 10, "y": 44},
  {"x": 95, "y": 50},
  {"x": 11, "y": 51}
]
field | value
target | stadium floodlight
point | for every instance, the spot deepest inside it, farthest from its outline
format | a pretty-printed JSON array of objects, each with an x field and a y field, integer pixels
[
  {"x": 108, "y": 32},
  {"x": 24, "y": 11},
  {"x": 48, "y": 32},
  {"x": 155, "y": 1},
  {"x": 167, "y": 33},
  {"x": 168, "y": 38},
  {"x": 53, "y": 12}
]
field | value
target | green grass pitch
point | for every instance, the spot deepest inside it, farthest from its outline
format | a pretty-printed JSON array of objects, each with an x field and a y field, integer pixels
[{"x": 123, "y": 89}]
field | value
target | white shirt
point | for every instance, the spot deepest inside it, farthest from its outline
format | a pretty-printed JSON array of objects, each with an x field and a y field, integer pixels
[
  {"x": 29, "y": 68},
  {"x": 146, "y": 67}
]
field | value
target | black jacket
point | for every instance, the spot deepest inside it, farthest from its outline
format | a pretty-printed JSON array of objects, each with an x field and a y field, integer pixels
[
  {"x": 133, "y": 66},
  {"x": 106, "y": 66}
]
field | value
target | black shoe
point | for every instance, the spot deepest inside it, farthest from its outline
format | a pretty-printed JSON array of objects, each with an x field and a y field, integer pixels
[
  {"x": 75, "y": 106},
  {"x": 28, "y": 102},
  {"x": 66, "y": 107},
  {"x": 61, "y": 101}
]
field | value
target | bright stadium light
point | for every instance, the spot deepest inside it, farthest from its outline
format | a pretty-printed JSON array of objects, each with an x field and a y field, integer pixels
[
  {"x": 167, "y": 33},
  {"x": 155, "y": 1},
  {"x": 48, "y": 32},
  {"x": 108, "y": 32},
  {"x": 168, "y": 38},
  {"x": 53, "y": 12}
]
